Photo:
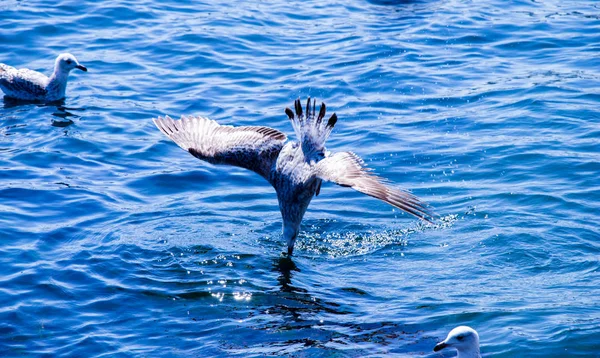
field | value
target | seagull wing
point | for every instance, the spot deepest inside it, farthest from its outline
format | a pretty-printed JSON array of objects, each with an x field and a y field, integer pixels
[
  {"x": 347, "y": 169},
  {"x": 251, "y": 147},
  {"x": 22, "y": 82}
]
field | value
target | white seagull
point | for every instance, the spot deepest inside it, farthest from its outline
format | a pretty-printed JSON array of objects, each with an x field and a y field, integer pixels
[
  {"x": 294, "y": 169},
  {"x": 25, "y": 84},
  {"x": 464, "y": 339}
]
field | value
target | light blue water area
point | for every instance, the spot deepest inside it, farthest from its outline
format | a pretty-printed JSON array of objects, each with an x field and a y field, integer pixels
[{"x": 115, "y": 242}]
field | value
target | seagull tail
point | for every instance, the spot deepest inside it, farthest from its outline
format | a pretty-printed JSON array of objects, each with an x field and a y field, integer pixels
[{"x": 310, "y": 128}]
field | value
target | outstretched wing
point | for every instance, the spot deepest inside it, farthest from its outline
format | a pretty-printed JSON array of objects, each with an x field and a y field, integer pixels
[
  {"x": 249, "y": 147},
  {"x": 347, "y": 169},
  {"x": 22, "y": 83}
]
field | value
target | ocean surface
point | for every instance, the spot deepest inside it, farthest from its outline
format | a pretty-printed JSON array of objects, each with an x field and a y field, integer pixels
[{"x": 116, "y": 243}]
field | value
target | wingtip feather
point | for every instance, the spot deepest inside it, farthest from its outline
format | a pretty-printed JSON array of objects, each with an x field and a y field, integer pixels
[
  {"x": 298, "y": 107},
  {"x": 289, "y": 113},
  {"x": 322, "y": 111},
  {"x": 332, "y": 120}
]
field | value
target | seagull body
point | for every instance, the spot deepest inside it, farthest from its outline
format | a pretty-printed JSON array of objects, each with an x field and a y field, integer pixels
[
  {"x": 295, "y": 169},
  {"x": 464, "y": 339},
  {"x": 28, "y": 85}
]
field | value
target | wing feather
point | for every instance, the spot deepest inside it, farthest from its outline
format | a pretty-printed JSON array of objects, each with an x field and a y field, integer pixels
[
  {"x": 347, "y": 169},
  {"x": 22, "y": 83},
  {"x": 250, "y": 147}
]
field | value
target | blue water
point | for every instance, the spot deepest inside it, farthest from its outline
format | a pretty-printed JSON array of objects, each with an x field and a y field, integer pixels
[{"x": 115, "y": 242}]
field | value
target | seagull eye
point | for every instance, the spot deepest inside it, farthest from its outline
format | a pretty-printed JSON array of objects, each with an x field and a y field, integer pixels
[
  {"x": 460, "y": 338},
  {"x": 68, "y": 62}
]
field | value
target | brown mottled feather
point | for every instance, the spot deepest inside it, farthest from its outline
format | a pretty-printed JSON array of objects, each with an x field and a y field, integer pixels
[
  {"x": 250, "y": 147},
  {"x": 347, "y": 169}
]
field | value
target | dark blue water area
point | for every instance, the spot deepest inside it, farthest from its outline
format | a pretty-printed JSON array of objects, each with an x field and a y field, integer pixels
[{"x": 115, "y": 242}]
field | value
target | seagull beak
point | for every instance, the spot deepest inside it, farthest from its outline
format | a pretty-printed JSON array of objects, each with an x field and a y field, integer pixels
[
  {"x": 81, "y": 67},
  {"x": 440, "y": 346}
]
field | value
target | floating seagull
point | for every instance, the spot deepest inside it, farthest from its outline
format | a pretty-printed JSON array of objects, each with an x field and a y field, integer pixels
[
  {"x": 464, "y": 339},
  {"x": 294, "y": 169},
  {"x": 25, "y": 84}
]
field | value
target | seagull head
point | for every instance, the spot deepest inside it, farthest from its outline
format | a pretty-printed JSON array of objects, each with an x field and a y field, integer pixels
[
  {"x": 65, "y": 62},
  {"x": 464, "y": 339}
]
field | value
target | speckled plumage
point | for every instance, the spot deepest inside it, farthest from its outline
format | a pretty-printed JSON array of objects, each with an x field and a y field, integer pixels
[
  {"x": 28, "y": 85},
  {"x": 294, "y": 169}
]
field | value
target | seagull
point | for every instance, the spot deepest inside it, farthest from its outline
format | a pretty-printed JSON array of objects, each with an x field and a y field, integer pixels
[
  {"x": 464, "y": 339},
  {"x": 295, "y": 169},
  {"x": 25, "y": 84}
]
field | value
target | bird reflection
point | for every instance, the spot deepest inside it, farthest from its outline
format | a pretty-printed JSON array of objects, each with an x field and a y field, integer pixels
[
  {"x": 62, "y": 112},
  {"x": 297, "y": 306},
  {"x": 285, "y": 266},
  {"x": 10, "y": 102}
]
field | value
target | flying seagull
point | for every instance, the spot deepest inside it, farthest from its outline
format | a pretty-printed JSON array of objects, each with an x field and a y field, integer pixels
[
  {"x": 295, "y": 169},
  {"x": 464, "y": 339},
  {"x": 25, "y": 84}
]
